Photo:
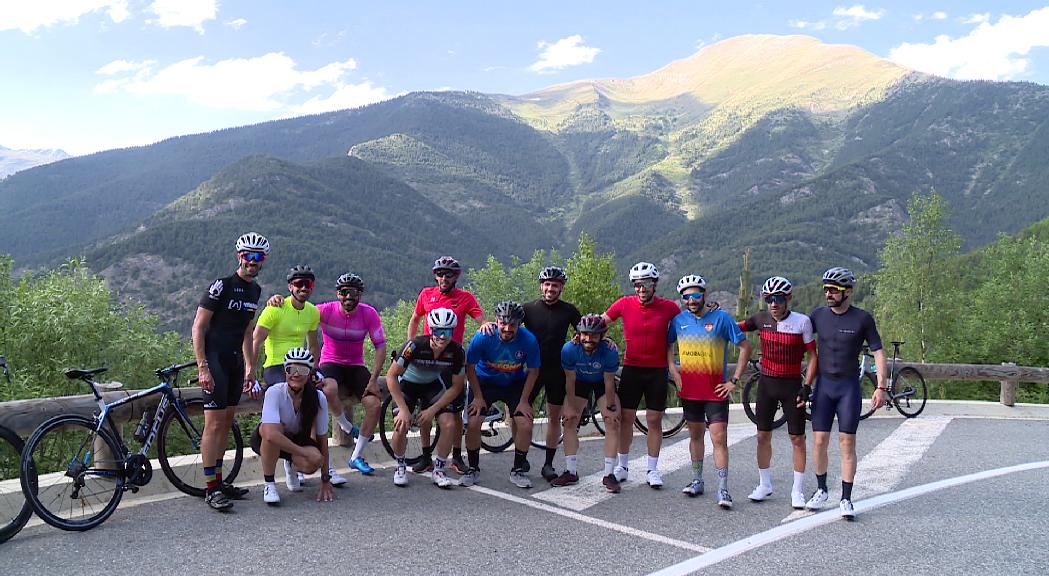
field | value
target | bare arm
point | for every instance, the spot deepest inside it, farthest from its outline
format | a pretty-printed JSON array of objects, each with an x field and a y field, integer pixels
[
  {"x": 251, "y": 353},
  {"x": 314, "y": 344},
  {"x": 526, "y": 393},
  {"x": 478, "y": 403},
  {"x": 413, "y": 326},
  {"x": 200, "y": 327}
]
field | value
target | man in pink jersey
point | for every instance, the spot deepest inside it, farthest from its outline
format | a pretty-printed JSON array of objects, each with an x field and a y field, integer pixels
[
  {"x": 645, "y": 321},
  {"x": 444, "y": 294}
]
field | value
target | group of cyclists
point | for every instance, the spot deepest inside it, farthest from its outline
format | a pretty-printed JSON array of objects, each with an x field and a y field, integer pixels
[{"x": 436, "y": 379}]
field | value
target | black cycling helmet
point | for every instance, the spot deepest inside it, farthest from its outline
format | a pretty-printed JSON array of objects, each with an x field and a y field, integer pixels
[
  {"x": 349, "y": 280},
  {"x": 592, "y": 323},
  {"x": 300, "y": 271},
  {"x": 510, "y": 311},
  {"x": 553, "y": 273},
  {"x": 447, "y": 263}
]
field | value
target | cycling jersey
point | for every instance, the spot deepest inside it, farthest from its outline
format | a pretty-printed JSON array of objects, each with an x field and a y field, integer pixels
[
  {"x": 343, "y": 333},
  {"x": 783, "y": 342},
  {"x": 841, "y": 338},
  {"x": 459, "y": 301},
  {"x": 288, "y": 327},
  {"x": 549, "y": 323},
  {"x": 703, "y": 351},
  {"x": 422, "y": 367},
  {"x": 503, "y": 363},
  {"x": 590, "y": 368},
  {"x": 644, "y": 329},
  {"x": 279, "y": 408},
  {"x": 233, "y": 301}
]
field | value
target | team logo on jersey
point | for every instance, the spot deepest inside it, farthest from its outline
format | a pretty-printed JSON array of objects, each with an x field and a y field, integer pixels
[
  {"x": 519, "y": 354},
  {"x": 595, "y": 365},
  {"x": 709, "y": 326},
  {"x": 215, "y": 290}
]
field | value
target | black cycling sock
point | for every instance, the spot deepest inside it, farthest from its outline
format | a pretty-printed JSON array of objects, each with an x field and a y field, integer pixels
[
  {"x": 474, "y": 457},
  {"x": 821, "y": 481},
  {"x": 427, "y": 452},
  {"x": 550, "y": 453},
  {"x": 846, "y": 490},
  {"x": 520, "y": 458},
  {"x": 457, "y": 453},
  {"x": 268, "y": 478}
]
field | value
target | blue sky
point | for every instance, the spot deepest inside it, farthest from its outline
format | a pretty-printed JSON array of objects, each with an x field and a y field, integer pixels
[{"x": 88, "y": 75}]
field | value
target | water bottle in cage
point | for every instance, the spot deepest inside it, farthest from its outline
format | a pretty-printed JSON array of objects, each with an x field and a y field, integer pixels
[{"x": 142, "y": 429}]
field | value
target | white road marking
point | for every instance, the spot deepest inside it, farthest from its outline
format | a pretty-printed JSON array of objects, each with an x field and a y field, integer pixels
[
  {"x": 786, "y": 530},
  {"x": 589, "y": 491},
  {"x": 592, "y": 521},
  {"x": 884, "y": 467}
]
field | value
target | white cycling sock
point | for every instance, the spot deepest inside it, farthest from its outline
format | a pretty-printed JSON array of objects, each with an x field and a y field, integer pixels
[
  {"x": 799, "y": 481},
  {"x": 765, "y": 476},
  {"x": 570, "y": 464},
  {"x": 653, "y": 462},
  {"x": 610, "y": 464},
  {"x": 624, "y": 460},
  {"x": 362, "y": 440}
]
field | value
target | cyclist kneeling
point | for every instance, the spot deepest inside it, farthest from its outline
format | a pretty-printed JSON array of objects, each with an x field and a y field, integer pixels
[
  {"x": 419, "y": 378},
  {"x": 294, "y": 426}
]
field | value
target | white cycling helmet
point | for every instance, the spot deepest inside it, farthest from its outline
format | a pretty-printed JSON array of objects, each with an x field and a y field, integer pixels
[
  {"x": 777, "y": 285},
  {"x": 839, "y": 276},
  {"x": 298, "y": 356},
  {"x": 691, "y": 281},
  {"x": 644, "y": 270},
  {"x": 441, "y": 318},
  {"x": 253, "y": 242}
]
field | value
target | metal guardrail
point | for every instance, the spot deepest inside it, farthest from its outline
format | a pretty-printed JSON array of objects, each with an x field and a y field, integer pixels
[{"x": 23, "y": 416}]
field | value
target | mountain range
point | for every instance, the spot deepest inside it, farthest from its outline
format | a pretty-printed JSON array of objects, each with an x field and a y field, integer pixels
[
  {"x": 804, "y": 151},
  {"x": 12, "y": 161}
]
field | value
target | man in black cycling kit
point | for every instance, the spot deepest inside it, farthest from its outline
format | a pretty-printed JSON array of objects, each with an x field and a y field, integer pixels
[
  {"x": 842, "y": 330},
  {"x": 222, "y": 347}
]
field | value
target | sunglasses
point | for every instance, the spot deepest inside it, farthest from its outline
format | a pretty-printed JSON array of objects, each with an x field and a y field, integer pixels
[
  {"x": 827, "y": 288},
  {"x": 442, "y": 332},
  {"x": 349, "y": 292},
  {"x": 297, "y": 370},
  {"x": 644, "y": 285},
  {"x": 693, "y": 296},
  {"x": 302, "y": 283},
  {"x": 445, "y": 274},
  {"x": 775, "y": 299},
  {"x": 252, "y": 256}
]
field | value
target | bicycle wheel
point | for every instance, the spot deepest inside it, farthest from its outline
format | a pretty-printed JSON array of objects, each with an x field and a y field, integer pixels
[
  {"x": 867, "y": 386},
  {"x": 750, "y": 403},
  {"x": 178, "y": 449},
  {"x": 673, "y": 416},
  {"x": 909, "y": 392},
  {"x": 497, "y": 430},
  {"x": 14, "y": 508},
  {"x": 67, "y": 475},
  {"x": 414, "y": 447}
]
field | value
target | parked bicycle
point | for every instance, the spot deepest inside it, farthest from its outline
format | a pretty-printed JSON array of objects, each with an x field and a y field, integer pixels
[
  {"x": 906, "y": 387},
  {"x": 750, "y": 393},
  {"x": 591, "y": 415},
  {"x": 75, "y": 469},
  {"x": 14, "y": 509}
]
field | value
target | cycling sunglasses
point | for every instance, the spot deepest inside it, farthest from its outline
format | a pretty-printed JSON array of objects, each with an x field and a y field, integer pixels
[
  {"x": 348, "y": 292},
  {"x": 445, "y": 273},
  {"x": 442, "y": 332},
  {"x": 252, "y": 256},
  {"x": 775, "y": 299},
  {"x": 302, "y": 283},
  {"x": 693, "y": 296},
  {"x": 833, "y": 288},
  {"x": 646, "y": 285},
  {"x": 297, "y": 370}
]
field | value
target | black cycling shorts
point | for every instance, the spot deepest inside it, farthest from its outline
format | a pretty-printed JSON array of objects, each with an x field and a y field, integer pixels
[
  {"x": 227, "y": 377},
  {"x": 636, "y": 382},
  {"x": 774, "y": 392},
  {"x": 352, "y": 379},
  {"x": 553, "y": 381},
  {"x": 585, "y": 389},
  {"x": 256, "y": 443},
  {"x": 708, "y": 411},
  {"x": 422, "y": 396},
  {"x": 492, "y": 393}
]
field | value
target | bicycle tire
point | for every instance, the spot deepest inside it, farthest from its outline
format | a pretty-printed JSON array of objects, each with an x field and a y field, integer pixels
[
  {"x": 414, "y": 448},
  {"x": 497, "y": 434},
  {"x": 673, "y": 416},
  {"x": 178, "y": 450},
  {"x": 750, "y": 402},
  {"x": 15, "y": 510},
  {"x": 42, "y": 458},
  {"x": 909, "y": 392},
  {"x": 867, "y": 386}
]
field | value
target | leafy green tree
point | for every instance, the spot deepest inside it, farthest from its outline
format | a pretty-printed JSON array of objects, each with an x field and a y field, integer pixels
[{"x": 915, "y": 292}]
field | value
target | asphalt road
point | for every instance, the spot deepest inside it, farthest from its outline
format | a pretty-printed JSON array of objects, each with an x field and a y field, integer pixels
[{"x": 991, "y": 524}]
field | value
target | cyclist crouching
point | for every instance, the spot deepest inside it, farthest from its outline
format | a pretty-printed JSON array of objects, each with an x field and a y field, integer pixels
[{"x": 294, "y": 426}]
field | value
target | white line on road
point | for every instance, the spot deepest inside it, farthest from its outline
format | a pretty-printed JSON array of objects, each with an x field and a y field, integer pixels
[
  {"x": 786, "y": 530},
  {"x": 884, "y": 467},
  {"x": 589, "y": 491},
  {"x": 592, "y": 521}
]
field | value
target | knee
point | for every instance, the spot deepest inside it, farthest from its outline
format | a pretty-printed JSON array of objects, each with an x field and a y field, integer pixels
[
  {"x": 764, "y": 437},
  {"x": 523, "y": 424},
  {"x": 371, "y": 403},
  {"x": 655, "y": 419},
  {"x": 447, "y": 424},
  {"x": 798, "y": 440}
]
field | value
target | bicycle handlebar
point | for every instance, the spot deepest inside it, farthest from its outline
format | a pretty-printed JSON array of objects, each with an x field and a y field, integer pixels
[{"x": 173, "y": 369}]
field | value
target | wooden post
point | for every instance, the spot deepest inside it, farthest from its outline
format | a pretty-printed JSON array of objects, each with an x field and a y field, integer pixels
[{"x": 1008, "y": 396}]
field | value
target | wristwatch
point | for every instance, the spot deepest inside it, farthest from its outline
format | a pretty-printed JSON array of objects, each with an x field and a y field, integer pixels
[{"x": 734, "y": 380}]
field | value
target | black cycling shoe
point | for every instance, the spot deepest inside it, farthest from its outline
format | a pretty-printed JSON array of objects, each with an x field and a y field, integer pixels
[
  {"x": 549, "y": 472},
  {"x": 233, "y": 492},
  {"x": 425, "y": 464},
  {"x": 218, "y": 501}
]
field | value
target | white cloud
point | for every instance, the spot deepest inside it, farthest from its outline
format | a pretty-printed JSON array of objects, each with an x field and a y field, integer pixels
[
  {"x": 121, "y": 66},
  {"x": 29, "y": 16},
  {"x": 188, "y": 13},
  {"x": 262, "y": 84},
  {"x": 855, "y": 15},
  {"x": 236, "y": 24},
  {"x": 977, "y": 18},
  {"x": 938, "y": 15},
  {"x": 326, "y": 40},
  {"x": 565, "y": 52},
  {"x": 344, "y": 96},
  {"x": 990, "y": 51},
  {"x": 806, "y": 25}
]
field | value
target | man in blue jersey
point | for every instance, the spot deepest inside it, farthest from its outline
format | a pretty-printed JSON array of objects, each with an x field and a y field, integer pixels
[
  {"x": 505, "y": 367},
  {"x": 590, "y": 367},
  {"x": 841, "y": 329}
]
